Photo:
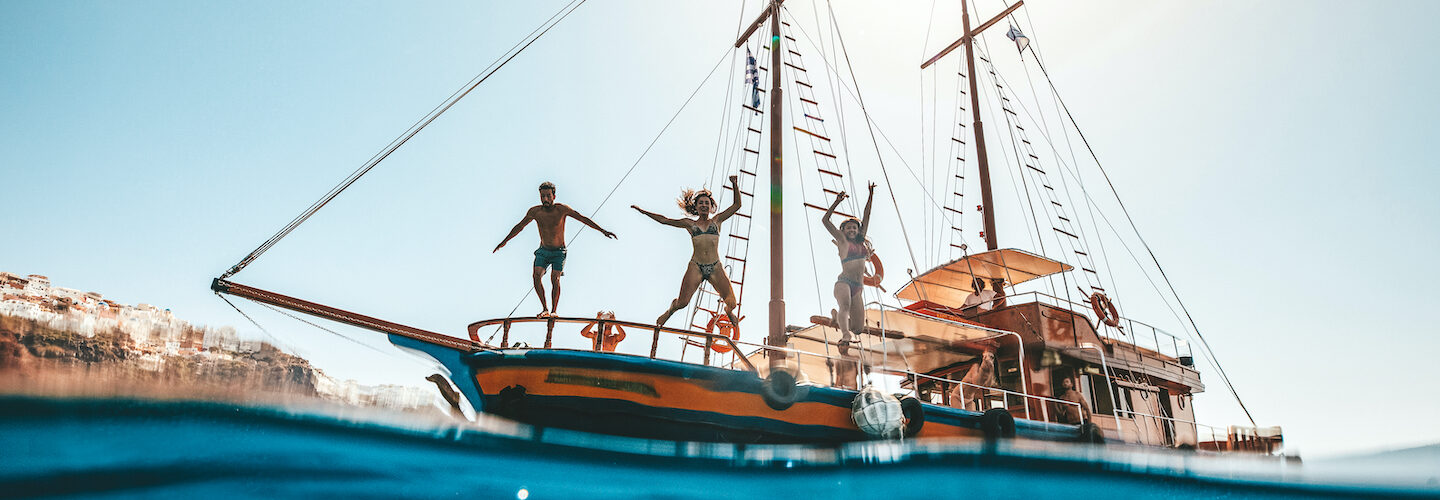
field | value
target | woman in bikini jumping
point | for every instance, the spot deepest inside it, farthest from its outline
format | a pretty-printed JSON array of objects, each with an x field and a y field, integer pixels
[
  {"x": 704, "y": 232},
  {"x": 854, "y": 251}
]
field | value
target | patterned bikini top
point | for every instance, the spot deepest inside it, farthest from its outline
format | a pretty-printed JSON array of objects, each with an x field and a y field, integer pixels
[{"x": 711, "y": 229}]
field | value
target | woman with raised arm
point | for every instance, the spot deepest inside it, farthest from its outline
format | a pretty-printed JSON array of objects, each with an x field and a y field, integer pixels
[
  {"x": 854, "y": 251},
  {"x": 704, "y": 262}
]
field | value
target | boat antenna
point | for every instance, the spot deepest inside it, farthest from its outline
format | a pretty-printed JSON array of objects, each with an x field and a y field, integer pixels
[{"x": 404, "y": 137}]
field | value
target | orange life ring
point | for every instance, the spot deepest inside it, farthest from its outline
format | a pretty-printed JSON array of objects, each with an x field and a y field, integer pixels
[
  {"x": 1104, "y": 309},
  {"x": 879, "y": 274},
  {"x": 722, "y": 323}
]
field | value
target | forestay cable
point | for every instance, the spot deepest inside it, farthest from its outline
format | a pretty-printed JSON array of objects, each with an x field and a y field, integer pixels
[{"x": 409, "y": 133}]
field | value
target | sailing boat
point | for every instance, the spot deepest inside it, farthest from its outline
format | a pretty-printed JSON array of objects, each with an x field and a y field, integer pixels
[{"x": 789, "y": 389}]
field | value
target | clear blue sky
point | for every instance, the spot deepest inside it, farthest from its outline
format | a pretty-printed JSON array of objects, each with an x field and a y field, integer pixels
[{"x": 1274, "y": 155}]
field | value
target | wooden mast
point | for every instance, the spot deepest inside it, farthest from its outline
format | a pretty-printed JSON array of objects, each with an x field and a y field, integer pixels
[
  {"x": 968, "y": 40},
  {"x": 776, "y": 335}
]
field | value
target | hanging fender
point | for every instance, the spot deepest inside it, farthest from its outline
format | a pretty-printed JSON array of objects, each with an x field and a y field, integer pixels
[
  {"x": 721, "y": 323},
  {"x": 879, "y": 274},
  {"x": 1104, "y": 309},
  {"x": 914, "y": 415}
]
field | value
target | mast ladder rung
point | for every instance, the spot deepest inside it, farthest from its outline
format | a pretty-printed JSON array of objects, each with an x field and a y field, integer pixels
[
  {"x": 1062, "y": 217},
  {"x": 957, "y": 229},
  {"x": 830, "y": 191},
  {"x": 1066, "y": 233},
  {"x": 748, "y": 150},
  {"x": 961, "y": 158},
  {"x": 747, "y": 216},
  {"x": 816, "y": 118},
  {"x": 1022, "y": 129},
  {"x": 790, "y": 38},
  {"x": 704, "y": 309},
  {"x": 1026, "y": 141},
  {"x": 798, "y": 82},
  {"x": 809, "y": 101},
  {"x": 961, "y": 124},
  {"x": 818, "y": 136},
  {"x": 822, "y": 209},
  {"x": 982, "y": 58},
  {"x": 961, "y": 177},
  {"x": 732, "y": 235},
  {"x": 1032, "y": 155},
  {"x": 797, "y": 54},
  {"x": 734, "y": 258},
  {"x": 1017, "y": 115},
  {"x": 1032, "y": 167},
  {"x": 957, "y": 139},
  {"x": 833, "y": 157},
  {"x": 785, "y": 24},
  {"x": 954, "y": 210},
  {"x": 823, "y": 171},
  {"x": 958, "y": 194},
  {"x": 742, "y": 192},
  {"x": 1089, "y": 270},
  {"x": 1056, "y": 203},
  {"x": 1082, "y": 253},
  {"x": 758, "y": 89},
  {"x": 794, "y": 66},
  {"x": 743, "y": 171},
  {"x": 753, "y": 129},
  {"x": 1097, "y": 288},
  {"x": 737, "y": 283},
  {"x": 1047, "y": 186},
  {"x": 752, "y": 109}
]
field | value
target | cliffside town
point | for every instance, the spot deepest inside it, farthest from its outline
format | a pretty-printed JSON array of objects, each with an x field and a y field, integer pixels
[{"x": 50, "y": 334}]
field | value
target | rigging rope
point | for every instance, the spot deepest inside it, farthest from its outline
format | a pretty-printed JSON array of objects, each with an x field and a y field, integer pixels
[
  {"x": 1146, "y": 245},
  {"x": 409, "y": 133},
  {"x": 576, "y": 235},
  {"x": 869, "y": 126}
]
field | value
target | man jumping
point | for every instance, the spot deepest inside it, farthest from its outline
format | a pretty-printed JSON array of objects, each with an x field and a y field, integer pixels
[{"x": 549, "y": 218}]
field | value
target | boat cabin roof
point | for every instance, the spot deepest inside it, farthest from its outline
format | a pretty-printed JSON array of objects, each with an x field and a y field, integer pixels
[{"x": 949, "y": 283}]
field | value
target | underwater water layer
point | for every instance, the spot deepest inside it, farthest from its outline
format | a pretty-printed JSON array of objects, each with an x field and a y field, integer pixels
[{"x": 127, "y": 447}]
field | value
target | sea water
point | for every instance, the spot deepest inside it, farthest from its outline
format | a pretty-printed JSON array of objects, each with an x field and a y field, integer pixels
[{"x": 126, "y": 447}]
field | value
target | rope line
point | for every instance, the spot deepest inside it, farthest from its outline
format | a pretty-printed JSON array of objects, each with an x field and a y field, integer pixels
[{"x": 405, "y": 137}]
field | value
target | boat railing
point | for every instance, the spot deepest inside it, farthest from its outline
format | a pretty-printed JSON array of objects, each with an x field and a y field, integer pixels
[
  {"x": 989, "y": 395},
  {"x": 710, "y": 341},
  {"x": 1167, "y": 428},
  {"x": 1133, "y": 332}
]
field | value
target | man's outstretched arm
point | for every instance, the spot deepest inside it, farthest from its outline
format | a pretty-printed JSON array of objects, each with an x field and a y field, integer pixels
[
  {"x": 516, "y": 230},
  {"x": 586, "y": 221}
]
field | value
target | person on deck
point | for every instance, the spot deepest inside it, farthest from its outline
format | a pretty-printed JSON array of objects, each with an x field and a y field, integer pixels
[
  {"x": 704, "y": 262},
  {"x": 970, "y": 394},
  {"x": 610, "y": 336},
  {"x": 549, "y": 218},
  {"x": 849, "y": 314},
  {"x": 1070, "y": 414},
  {"x": 979, "y": 301}
]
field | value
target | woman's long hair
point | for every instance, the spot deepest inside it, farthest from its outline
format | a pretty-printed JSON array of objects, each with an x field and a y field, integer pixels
[{"x": 688, "y": 198}]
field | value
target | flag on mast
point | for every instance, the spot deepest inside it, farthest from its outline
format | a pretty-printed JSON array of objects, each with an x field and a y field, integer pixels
[
  {"x": 1021, "y": 41},
  {"x": 752, "y": 77}
]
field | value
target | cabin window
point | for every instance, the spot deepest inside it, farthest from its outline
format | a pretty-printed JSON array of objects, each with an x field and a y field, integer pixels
[{"x": 1102, "y": 401}]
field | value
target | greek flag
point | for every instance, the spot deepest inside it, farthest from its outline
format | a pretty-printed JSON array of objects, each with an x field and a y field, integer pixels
[
  {"x": 1021, "y": 41},
  {"x": 752, "y": 77}
]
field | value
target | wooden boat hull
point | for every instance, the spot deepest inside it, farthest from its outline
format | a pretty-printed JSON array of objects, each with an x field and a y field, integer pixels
[{"x": 637, "y": 396}]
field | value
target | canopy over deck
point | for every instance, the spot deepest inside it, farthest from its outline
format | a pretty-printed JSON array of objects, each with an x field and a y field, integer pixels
[{"x": 950, "y": 283}]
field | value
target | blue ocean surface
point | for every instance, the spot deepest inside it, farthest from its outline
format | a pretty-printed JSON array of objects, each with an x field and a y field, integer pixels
[{"x": 120, "y": 447}]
